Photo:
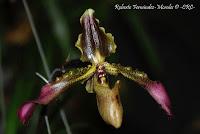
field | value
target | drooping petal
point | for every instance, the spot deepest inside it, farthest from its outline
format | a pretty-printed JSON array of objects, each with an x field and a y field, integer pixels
[
  {"x": 94, "y": 43},
  {"x": 52, "y": 90},
  {"x": 109, "y": 103},
  {"x": 25, "y": 111},
  {"x": 155, "y": 89}
]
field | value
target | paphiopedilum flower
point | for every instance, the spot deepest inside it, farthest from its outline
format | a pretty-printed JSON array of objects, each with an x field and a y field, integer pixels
[{"x": 95, "y": 45}]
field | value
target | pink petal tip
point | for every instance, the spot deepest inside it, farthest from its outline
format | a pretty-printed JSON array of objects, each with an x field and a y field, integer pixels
[
  {"x": 158, "y": 92},
  {"x": 25, "y": 111}
]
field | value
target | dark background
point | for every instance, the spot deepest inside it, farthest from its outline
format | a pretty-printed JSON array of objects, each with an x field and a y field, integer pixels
[{"x": 162, "y": 43}]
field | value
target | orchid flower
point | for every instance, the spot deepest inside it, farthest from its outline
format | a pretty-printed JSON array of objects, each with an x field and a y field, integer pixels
[{"x": 95, "y": 45}]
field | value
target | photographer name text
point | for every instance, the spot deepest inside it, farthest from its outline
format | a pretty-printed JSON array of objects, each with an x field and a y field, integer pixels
[{"x": 154, "y": 7}]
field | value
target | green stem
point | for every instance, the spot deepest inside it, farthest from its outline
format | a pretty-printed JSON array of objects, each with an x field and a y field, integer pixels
[
  {"x": 64, "y": 119},
  {"x": 47, "y": 124},
  {"x": 37, "y": 39}
]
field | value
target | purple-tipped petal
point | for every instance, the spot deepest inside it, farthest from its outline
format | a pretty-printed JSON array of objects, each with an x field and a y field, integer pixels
[
  {"x": 25, "y": 111},
  {"x": 47, "y": 94},
  {"x": 158, "y": 92},
  {"x": 52, "y": 90},
  {"x": 156, "y": 89}
]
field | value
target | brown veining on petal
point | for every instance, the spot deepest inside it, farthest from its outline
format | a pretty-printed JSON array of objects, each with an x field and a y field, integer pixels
[{"x": 94, "y": 43}]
